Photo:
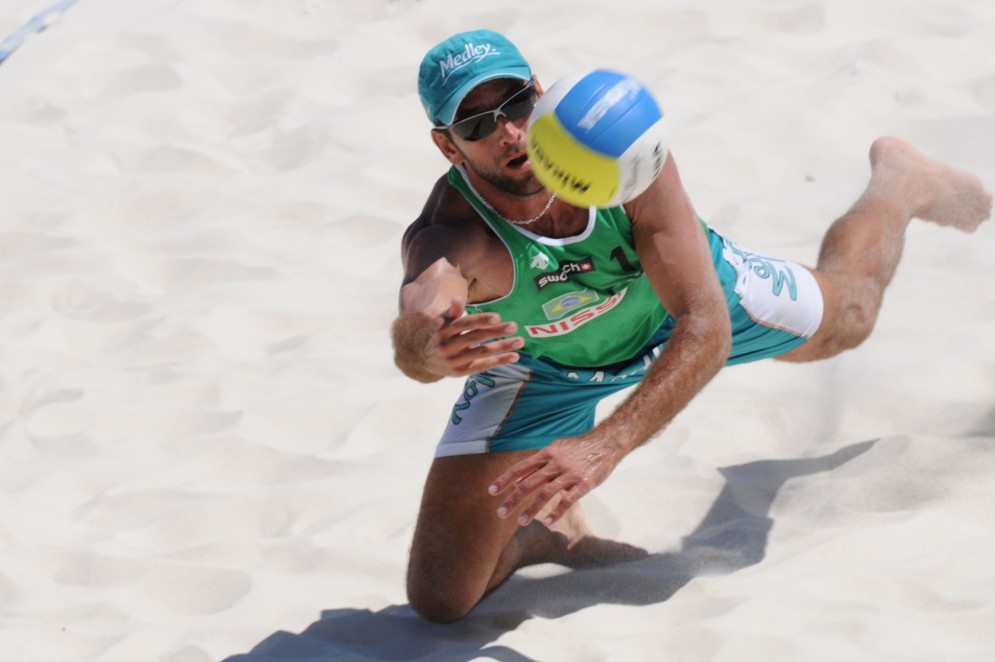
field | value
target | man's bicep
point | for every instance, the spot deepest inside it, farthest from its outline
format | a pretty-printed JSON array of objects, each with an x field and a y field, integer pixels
[
  {"x": 680, "y": 268},
  {"x": 432, "y": 275},
  {"x": 672, "y": 247}
]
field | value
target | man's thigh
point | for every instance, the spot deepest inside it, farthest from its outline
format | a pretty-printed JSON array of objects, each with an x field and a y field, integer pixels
[{"x": 852, "y": 303}]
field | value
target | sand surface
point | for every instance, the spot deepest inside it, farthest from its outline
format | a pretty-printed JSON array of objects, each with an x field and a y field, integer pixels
[{"x": 206, "y": 452}]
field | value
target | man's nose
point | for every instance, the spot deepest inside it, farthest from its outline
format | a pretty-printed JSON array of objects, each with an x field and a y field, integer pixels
[{"x": 512, "y": 132}]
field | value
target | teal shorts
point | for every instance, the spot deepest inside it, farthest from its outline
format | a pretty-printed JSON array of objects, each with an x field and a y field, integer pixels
[{"x": 775, "y": 305}]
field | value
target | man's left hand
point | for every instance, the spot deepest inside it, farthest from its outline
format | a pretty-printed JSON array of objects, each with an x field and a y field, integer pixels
[{"x": 572, "y": 467}]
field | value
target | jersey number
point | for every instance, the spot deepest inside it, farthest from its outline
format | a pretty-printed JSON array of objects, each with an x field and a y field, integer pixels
[{"x": 623, "y": 261}]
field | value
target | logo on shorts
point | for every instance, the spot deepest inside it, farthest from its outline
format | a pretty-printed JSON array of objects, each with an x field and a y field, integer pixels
[
  {"x": 470, "y": 391},
  {"x": 773, "y": 269},
  {"x": 568, "y": 268}
]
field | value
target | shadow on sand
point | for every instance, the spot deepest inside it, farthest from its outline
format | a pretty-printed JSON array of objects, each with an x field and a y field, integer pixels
[{"x": 732, "y": 536}]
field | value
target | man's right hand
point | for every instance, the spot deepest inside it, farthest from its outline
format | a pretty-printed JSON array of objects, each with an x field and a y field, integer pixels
[{"x": 453, "y": 344}]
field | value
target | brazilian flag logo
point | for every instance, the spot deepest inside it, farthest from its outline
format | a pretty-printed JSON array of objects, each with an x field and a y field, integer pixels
[{"x": 565, "y": 304}]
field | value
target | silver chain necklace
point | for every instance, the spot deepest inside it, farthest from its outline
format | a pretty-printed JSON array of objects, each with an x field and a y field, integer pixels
[
  {"x": 495, "y": 211},
  {"x": 528, "y": 222}
]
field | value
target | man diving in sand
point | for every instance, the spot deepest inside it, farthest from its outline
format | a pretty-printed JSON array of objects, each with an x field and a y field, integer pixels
[{"x": 675, "y": 302}]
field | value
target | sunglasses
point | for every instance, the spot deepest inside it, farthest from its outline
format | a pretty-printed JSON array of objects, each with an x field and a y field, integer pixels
[{"x": 516, "y": 107}]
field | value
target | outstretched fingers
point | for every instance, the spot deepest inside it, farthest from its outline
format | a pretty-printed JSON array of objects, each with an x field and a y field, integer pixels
[
  {"x": 512, "y": 476},
  {"x": 567, "y": 469},
  {"x": 495, "y": 357},
  {"x": 461, "y": 335},
  {"x": 537, "y": 478},
  {"x": 474, "y": 343},
  {"x": 569, "y": 498}
]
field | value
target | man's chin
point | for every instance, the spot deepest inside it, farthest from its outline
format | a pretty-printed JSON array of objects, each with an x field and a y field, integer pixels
[
  {"x": 527, "y": 186},
  {"x": 520, "y": 182}
]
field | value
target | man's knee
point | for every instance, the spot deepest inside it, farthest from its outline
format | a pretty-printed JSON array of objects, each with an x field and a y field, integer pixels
[
  {"x": 442, "y": 584},
  {"x": 438, "y": 602},
  {"x": 847, "y": 330},
  {"x": 857, "y": 319},
  {"x": 851, "y": 307}
]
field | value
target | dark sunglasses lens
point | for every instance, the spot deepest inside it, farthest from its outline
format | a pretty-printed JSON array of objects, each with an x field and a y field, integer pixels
[
  {"x": 475, "y": 128},
  {"x": 516, "y": 107}
]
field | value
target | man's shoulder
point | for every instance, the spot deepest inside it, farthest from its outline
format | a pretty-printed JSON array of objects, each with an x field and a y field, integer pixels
[
  {"x": 448, "y": 227},
  {"x": 448, "y": 213}
]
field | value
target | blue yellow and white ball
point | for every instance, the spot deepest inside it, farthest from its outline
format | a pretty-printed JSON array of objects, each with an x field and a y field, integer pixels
[{"x": 597, "y": 138}]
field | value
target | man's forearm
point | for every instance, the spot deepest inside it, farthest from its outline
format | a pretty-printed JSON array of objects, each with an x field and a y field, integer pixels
[
  {"x": 410, "y": 334},
  {"x": 695, "y": 352},
  {"x": 573, "y": 466}
]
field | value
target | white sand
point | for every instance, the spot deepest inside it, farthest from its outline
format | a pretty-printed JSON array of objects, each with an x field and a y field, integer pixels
[{"x": 205, "y": 449}]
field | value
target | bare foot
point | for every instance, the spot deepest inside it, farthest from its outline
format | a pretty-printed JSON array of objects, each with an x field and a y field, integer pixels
[
  {"x": 935, "y": 191},
  {"x": 580, "y": 548}
]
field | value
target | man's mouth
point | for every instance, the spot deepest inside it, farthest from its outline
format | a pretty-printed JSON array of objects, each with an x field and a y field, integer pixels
[{"x": 518, "y": 161}]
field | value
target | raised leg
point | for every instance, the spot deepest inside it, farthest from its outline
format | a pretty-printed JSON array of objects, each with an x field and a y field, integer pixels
[{"x": 861, "y": 250}]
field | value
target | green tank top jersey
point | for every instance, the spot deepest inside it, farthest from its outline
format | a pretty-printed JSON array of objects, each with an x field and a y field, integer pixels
[{"x": 581, "y": 301}]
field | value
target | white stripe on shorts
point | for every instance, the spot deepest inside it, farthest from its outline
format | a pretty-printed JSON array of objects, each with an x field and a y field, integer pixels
[{"x": 774, "y": 292}]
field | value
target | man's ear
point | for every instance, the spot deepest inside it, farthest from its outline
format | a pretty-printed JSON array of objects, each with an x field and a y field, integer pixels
[{"x": 445, "y": 144}]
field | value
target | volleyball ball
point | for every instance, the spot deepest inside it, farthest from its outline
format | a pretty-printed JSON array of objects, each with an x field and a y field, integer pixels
[{"x": 597, "y": 138}]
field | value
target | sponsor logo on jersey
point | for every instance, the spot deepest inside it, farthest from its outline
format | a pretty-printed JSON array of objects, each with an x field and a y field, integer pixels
[
  {"x": 567, "y": 269},
  {"x": 576, "y": 320},
  {"x": 562, "y": 305},
  {"x": 539, "y": 261}
]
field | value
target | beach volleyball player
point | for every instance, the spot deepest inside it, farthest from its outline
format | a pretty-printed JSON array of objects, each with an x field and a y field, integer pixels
[{"x": 544, "y": 308}]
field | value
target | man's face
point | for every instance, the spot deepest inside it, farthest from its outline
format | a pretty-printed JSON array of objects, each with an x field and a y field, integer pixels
[{"x": 499, "y": 158}]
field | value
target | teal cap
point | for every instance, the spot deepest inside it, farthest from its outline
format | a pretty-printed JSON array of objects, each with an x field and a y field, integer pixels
[{"x": 459, "y": 64}]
